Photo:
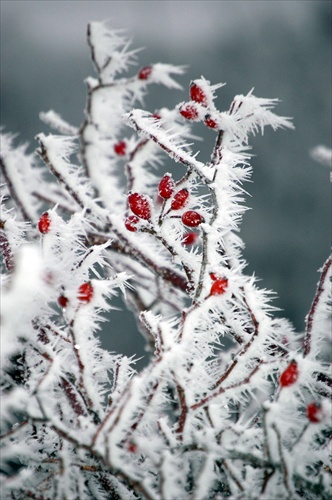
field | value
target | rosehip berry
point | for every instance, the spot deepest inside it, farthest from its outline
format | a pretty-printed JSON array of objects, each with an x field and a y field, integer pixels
[
  {"x": 132, "y": 447},
  {"x": 290, "y": 375},
  {"x": 85, "y": 292},
  {"x": 63, "y": 301},
  {"x": 314, "y": 412},
  {"x": 189, "y": 112},
  {"x": 192, "y": 218},
  {"x": 166, "y": 187},
  {"x": 144, "y": 72},
  {"x": 214, "y": 276},
  {"x": 197, "y": 94},
  {"x": 140, "y": 205},
  {"x": 44, "y": 223},
  {"x": 189, "y": 238},
  {"x": 219, "y": 286},
  {"x": 209, "y": 122},
  {"x": 180, "y": 199},
  {"x": 120, "y": 148},
  {"x": 131, "y": 223}
]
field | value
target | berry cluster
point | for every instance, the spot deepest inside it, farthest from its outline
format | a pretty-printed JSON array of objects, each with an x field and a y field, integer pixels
[
  {"x": 200, "y": 107},
  {"x": 141, "y": 206}
]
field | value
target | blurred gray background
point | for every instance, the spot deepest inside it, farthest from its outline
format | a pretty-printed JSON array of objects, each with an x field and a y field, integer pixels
[{"x": 281, "y": 48}]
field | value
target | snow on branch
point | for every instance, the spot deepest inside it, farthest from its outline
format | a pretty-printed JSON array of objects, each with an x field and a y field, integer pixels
[{"x": 232, "y": 402}]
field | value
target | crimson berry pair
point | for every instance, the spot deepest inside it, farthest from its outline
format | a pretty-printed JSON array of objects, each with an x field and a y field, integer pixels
[{"x": 85, "y": 294}]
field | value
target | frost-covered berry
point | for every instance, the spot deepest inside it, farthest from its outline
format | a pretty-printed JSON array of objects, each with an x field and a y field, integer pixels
[
  {"x": 219, "y": 286},
  {"x": 314, "y": 412},
  {"x": 189, "y": 112},
  {"x": 63, "y": 301},
  {"x": 210, "y": 122},
  {"x": 120, "y": 148},
  {"x": 180, "y": 199},
  {"x": 85, "y": 292},
  {"x": 132, "y": 447},
  {"x": 166, "y": 186},
  {"x": 197, "y": 94},
  {"x": 290, "y": 375},
  {"x": 189, "y": 239},
  {"x": 44, "y": 223},
  {"x": 191, "y": 218},
  {"x": 131, "y": 223},
  {"x": 140, "y": 205},
  {"x": 144, "y": 72},
  {"x": 214, "y": 276}
]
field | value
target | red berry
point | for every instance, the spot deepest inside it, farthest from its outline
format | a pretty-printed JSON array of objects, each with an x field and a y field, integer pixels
[
  {"x": 140, "y": 205},
  {"x": 44, "y": 223},
  {"x": 219, "y": 286},
  {"x": 85, "y": 292},
  {"x": 189, "y": 238},
  {"x": 314, "y": 412},
  {"x": 180, "y": 199},
  {"x": 192, "y": 218},
  {"x": 189, "y": 111},
  {"x": 290, "y": 375},
  {"x": 63, "y": 301},
  {"x": 197, "y": 94},
  {"x": 213, "y": 276},
  {"x": 145, "y": 72},
  {"x": 120, "y": 148},
  {"x": 131, "y": 223},
  {"x": 209, "y": 122},
  {"x": 166, "y": 187},
  {"x": 132, "y": 447}
]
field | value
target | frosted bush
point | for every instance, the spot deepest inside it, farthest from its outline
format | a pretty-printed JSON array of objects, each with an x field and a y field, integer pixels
[{"x": 233, "y": 403}]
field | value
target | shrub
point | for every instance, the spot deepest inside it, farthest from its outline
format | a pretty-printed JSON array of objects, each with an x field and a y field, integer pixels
[{"x": 233, "y": 403}]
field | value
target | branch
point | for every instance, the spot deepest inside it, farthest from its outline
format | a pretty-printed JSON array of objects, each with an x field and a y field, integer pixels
[{"x": 311, "y": 316}]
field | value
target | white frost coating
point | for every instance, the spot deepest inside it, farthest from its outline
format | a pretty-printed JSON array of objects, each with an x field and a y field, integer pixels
[
  {"x": 23, "y": 174},
  {"x": 141, "y": 121},
  {"x": 23, "y": 298},
  {"x": 161, "y": 75},
  {"x": 54, "y": 120}
]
